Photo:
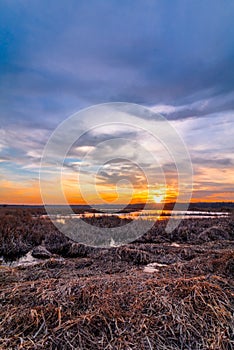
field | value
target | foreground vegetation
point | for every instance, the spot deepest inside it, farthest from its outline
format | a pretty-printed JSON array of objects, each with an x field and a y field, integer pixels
[{"x": 163, "y": 291}]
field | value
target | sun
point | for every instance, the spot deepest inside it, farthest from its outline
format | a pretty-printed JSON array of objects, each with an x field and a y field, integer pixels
[{"x": 158, "y": 198}]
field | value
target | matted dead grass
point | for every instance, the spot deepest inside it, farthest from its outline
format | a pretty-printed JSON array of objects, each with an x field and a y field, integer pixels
[
  {"x": 88, "y": 298},
  {"x": 128, "y": 310}
]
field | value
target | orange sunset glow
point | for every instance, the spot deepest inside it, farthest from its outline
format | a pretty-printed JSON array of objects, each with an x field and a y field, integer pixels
[{"x": 29, "y": 192}]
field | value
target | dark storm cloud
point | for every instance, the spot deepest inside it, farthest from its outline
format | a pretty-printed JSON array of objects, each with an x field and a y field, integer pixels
[{"x": 57, "y": 57}]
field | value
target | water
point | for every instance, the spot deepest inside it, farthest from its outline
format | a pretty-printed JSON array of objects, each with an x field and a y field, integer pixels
[
  {"x": 146, "y": 215},
  {"x": 166, "y": 214}
]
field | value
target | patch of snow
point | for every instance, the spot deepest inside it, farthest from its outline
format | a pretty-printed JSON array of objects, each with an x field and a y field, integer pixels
[{"x": 150, "y": 268}]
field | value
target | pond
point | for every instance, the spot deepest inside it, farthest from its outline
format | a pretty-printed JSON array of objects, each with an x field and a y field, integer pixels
[{"x": 146, "y": 215}]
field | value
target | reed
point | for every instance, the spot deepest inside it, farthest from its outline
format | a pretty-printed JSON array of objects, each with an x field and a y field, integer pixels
[{"x": 94, "y": 298}]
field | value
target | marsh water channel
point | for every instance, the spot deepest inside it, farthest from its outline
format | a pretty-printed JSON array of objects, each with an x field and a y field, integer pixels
[{"x": 144, "y": 215}]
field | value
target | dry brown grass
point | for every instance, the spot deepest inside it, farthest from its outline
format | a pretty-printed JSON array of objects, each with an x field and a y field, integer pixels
[
  {"x": 104, "y": 299},
  {"x": 125, "y": 311}
]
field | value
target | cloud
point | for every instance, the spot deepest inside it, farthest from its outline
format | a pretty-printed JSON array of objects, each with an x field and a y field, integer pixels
[
  {"x": 57, "y": 59},
  {"x": 200, "y": 108},
  {"x": 215, "y": 162},
  {"x": 176, "y": 58}
]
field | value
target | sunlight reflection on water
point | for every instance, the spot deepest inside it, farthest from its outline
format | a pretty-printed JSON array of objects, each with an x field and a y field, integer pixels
[{"x": 145, "y": 215}]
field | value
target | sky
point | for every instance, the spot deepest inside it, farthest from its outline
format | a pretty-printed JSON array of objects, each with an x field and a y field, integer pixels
[{"x": 59, "y": 57}]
